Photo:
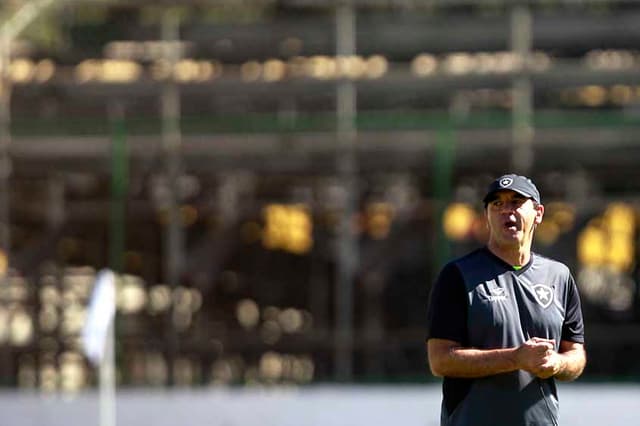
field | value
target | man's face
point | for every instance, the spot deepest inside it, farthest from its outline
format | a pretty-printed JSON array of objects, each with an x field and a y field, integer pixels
[{"x": 511, "y": 218}]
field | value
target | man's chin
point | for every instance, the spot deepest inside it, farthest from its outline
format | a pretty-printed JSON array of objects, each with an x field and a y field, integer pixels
[{"x": 511, "y": 239}]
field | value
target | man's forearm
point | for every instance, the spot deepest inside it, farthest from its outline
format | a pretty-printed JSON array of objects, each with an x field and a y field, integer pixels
[
  {"x": 572, "y": 364},
  {"x": 473, "y": 363}
]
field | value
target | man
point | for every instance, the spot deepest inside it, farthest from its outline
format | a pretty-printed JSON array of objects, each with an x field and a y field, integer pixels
[{"x": 504, "y": 322}]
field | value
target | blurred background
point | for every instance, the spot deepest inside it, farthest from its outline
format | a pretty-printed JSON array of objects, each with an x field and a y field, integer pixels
[{"x": 278, "y": 182}]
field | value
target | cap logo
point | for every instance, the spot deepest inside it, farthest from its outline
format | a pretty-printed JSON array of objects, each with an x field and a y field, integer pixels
[{"x": 506, "y": 182}]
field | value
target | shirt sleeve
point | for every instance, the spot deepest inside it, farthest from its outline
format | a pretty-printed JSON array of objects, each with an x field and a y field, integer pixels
[
  {"x": 447, "y": 311},
  {"x": 573, "y": 326}
]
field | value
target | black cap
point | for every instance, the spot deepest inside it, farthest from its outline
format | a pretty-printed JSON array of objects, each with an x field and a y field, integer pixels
[{"x": 520, "y": 184}]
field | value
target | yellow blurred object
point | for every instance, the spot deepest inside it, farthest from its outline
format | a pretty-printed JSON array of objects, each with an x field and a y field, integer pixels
[
  {"x": 458, "y": 220},
  {"x": 424, "y": 65},
  {"x": 274, "y": 70},
  {"x": 620, "y": 218},
  {"x": 4, "y": 263},
  {"x": 593, "y": 96},
  {"x": 379, "y": 217},
  {"x": 592, "y": 246},
  {"x": 287, "y": 227},
  {"x": 21, "y": 70},
  {"x": 621, "y": 94},
  {"x": 107, "y": 71},
  {"x": 609, "y": 240},
  {"x": 620, "y": 253}
]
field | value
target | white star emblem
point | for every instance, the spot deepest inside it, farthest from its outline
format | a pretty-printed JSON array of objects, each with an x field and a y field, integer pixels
[
  {"x": 505, "y": 182},
  {"x": 544, "y": 294}
]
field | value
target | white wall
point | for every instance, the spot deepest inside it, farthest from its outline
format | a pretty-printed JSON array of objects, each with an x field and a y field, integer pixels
[{"x": 581, "y": 405}]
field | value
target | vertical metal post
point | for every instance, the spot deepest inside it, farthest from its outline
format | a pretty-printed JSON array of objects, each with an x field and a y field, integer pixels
[
  {"x": 55, "y": 201},
  {"x": 172, "y": 143},
  {"x": 442, "y": 179},
  {"x": 5, "y": 172},
  {"x": 5, "y": 143},
  {"x": 346, "y": 162},
  {"x": 9, "y": 31},
  {"x": 119, "y": 178},
  {"x": 117, "y": 232},
  {"x": 373, "y": 322},
  {"x": 522, "y": 110}
]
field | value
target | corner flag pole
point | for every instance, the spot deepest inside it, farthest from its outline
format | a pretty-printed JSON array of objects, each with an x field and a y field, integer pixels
[{"x": 107, "y": 380}]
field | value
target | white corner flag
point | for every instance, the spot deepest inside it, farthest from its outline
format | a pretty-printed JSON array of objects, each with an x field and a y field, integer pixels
[
  {"x": 98, "y": 339},
  {"x": 102, "y": 308}
]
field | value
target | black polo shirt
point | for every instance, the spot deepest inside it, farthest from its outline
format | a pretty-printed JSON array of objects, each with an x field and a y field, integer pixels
[{"x": 482, "y": 302}]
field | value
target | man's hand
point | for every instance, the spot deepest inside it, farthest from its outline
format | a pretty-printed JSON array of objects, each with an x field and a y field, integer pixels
[{"x": 538, "y": 357}]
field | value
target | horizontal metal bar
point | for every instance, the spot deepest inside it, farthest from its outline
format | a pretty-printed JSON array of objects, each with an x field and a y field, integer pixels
[{"x": 314, "y": 152}]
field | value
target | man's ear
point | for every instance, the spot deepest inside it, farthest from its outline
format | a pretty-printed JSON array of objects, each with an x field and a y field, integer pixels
[{"x": 539, "y": 214}]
